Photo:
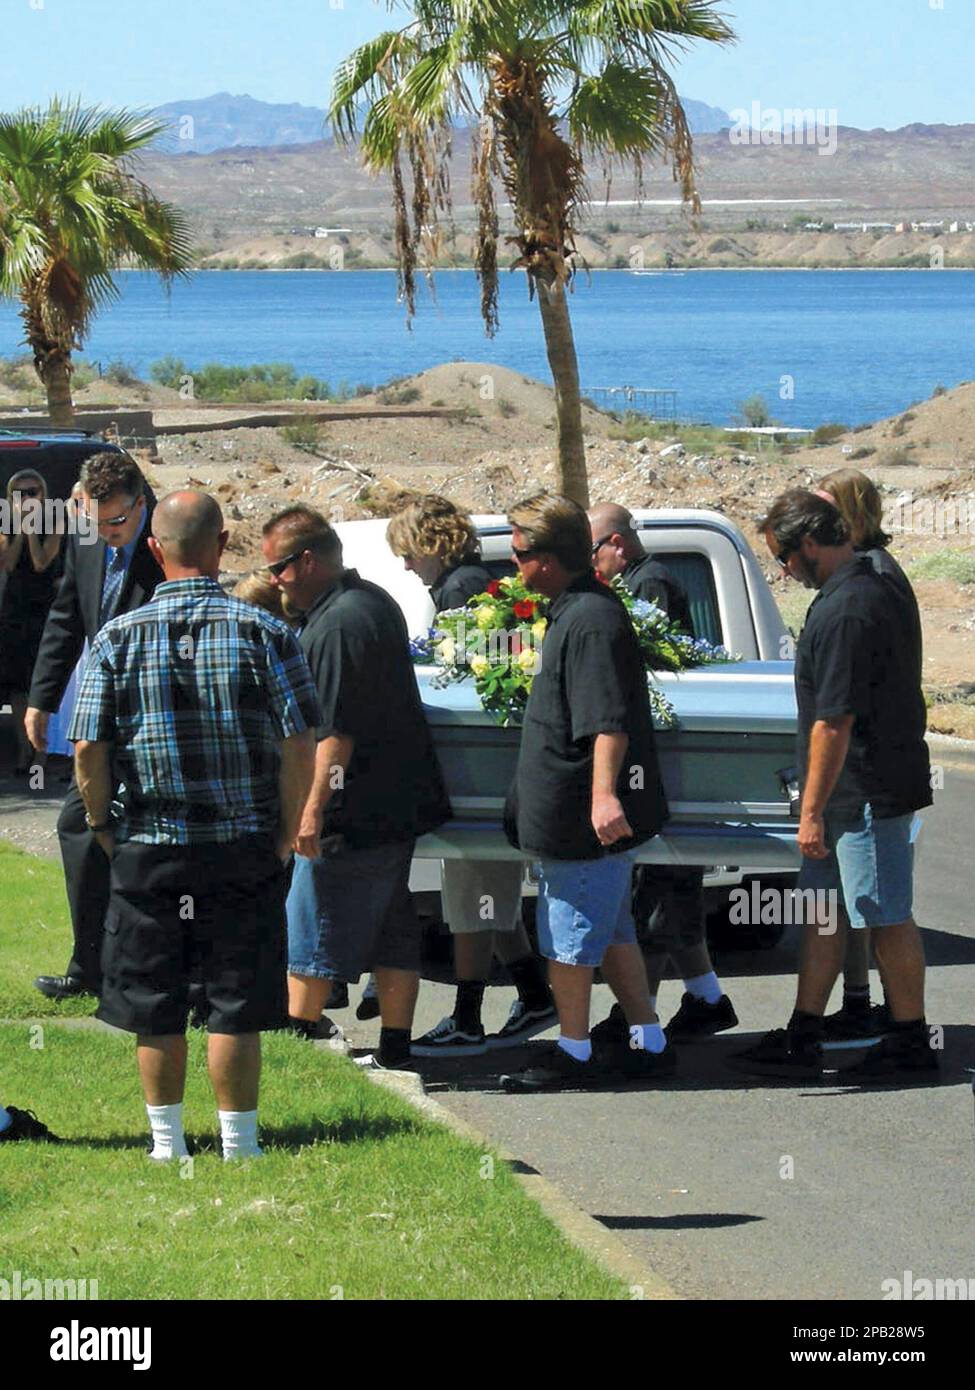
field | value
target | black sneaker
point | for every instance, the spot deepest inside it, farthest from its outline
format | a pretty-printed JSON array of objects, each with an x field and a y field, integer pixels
[
  {"x": 555, "y": 1071},
  {"x": 696, "y": 1018},
  {"x": 855, "y": 1027},
  {"x": 781, "y": 1053},
  {"x": 524, "y": 1023},
  {"x": 897, "y": 1058},
  {"x": 446, "y": 1039},
  {"x": 322, "y": 1030},
  {"x": 636, "y": 1064},
  {"x": 24, "y": 1124},
  {"x": 612, "y": 1032},
  {"x": 368, "y": 1006},
  {"x": 339, "y": 997},
  {"x": 373, "y": 1062}
]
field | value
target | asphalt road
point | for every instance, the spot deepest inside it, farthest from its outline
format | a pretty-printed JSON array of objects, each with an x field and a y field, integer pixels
[{"x": 695, "y": 1178}]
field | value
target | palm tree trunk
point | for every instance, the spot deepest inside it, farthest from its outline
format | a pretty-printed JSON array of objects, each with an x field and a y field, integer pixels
[
  {"x": 561, "y": 349},
  {"x": 57, "y": 382}
]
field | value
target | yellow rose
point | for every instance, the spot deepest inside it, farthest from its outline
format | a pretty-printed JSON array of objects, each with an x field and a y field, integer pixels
[
  {"x": 484, "y": 616},
  {"x": 538, "y": 629},
  {"x": 447, "y": 651},
  {"x": 480, "y": 666},
  {"x": 528, "y": 659}
]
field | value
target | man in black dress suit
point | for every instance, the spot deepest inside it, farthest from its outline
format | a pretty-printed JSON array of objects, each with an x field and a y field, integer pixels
[{"x": 114, "y": 574}]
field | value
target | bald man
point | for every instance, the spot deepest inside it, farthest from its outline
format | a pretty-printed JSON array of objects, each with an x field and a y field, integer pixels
[
  {"x": 617, "y": 549},
  {"x": 668, "y": 901},
  {"x": 206, "y": 706}
]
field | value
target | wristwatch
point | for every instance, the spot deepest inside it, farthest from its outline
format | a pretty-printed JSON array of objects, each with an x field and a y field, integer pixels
[{"x": 97, "y": 829}]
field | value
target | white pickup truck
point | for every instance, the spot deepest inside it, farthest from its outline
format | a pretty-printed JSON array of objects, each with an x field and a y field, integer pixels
[{"x": 728, "y": 766}]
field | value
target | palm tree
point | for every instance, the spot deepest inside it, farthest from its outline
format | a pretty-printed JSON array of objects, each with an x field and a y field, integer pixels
[
  {"x": 72, "y": 212},
  {"x": 546, "y": 85}
]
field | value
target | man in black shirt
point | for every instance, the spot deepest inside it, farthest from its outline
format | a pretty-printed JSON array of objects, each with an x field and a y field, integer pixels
[
  {"x": 377, "y": 786},
  {"x": 587, "y": 791},
  {"x": 863, "y": 771},
  {"x": 668, "y": 902},
  {"x": 617, "y": 549}
]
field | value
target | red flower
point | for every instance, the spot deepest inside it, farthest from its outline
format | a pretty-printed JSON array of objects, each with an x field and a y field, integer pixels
[
  {"x": 524, "y": 608},
  {"x": 514, "y": 644},
  {"x": 494, "y": 588}
]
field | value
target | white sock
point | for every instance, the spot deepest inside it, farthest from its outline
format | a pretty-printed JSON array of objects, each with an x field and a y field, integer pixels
[
  {"x": 5, "y": 1120},
  {"x": 706, "y": 987},
  {"x": 647, "y": 1037},
  {"x": 167, "y": 1132},
  {"x": 579, "y": 1048},
  {"x": 238, "y": 1130}
]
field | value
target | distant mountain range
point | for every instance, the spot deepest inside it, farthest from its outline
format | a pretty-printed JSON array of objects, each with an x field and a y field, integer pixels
[{"x": 225, "y": 121}]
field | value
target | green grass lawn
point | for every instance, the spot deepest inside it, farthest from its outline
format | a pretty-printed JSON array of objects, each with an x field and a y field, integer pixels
[
  {"x": 35, "y": 935},
  {"x": 358, "y": 1195}
]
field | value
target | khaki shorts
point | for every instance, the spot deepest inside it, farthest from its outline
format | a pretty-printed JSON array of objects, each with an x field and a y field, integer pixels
[{"x": 481, "y": 895}]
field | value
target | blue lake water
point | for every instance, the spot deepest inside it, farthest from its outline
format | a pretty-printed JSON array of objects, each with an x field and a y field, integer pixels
[{"x": 858, "y": 345}]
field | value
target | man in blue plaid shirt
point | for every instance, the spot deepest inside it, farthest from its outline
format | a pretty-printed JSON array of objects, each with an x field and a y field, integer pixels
[{"x": 208, "y": 708}]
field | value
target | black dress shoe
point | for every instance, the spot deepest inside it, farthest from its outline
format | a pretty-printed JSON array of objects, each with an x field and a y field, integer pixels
[{"x": 62, "y": 987}]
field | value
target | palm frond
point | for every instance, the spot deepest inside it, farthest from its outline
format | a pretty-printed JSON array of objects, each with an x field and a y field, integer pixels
[{"x": 364, "y": 75}]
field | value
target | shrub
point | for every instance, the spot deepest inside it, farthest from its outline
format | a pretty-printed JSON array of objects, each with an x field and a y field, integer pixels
[
  {"x": 939, "y": 390},
  {"x": 168, "y": 370},
  {"x": 507, "y": 408},
  {"x": 303, "y": 434},
  {"x": 900, "y": 426},
  {"x": 612, "y": 228},
  {"x": 402, "y": 395},
  {"x": 828, "y": 434},
  {"x": 895, "y": 457},
  {"x": 18, "y": 373},
  {"x": 754, "y": 411},
  {"x": 958, "y": 565},
  {"x": 120, "y": 374},
  {"x": 863, "y": 453}
]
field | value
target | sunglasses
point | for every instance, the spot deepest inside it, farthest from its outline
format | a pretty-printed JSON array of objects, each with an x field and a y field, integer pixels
[
  {"x": 277, "y": 567},
  {"x": 599, "y": 544},
  {"x": 523, "y": 554},
  {"x": 109, "y": 520},
  {"x": 782, "y": 559},
  {"x": 29, "y": 491}
]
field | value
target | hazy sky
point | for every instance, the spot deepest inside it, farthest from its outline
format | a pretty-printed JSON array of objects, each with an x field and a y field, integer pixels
[{"x": 878, "y": 62}]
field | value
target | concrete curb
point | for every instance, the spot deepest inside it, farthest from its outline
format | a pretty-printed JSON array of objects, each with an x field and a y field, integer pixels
[
  {"x": 960, "y": 751},
  {"x": 578, "y": 1227}
]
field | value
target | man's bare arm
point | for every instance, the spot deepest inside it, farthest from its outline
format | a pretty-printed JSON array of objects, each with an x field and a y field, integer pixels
[
  {"x": 829, "y": 742},
  {"x": 93, "y": 771},
  {"x": 608, "y": 819},
  {"x": 332, "y": 758},
  {"x": 294, "y": 783}
]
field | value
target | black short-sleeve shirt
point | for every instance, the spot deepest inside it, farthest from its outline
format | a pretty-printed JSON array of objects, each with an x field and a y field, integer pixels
[
  {"x": 648, "y": 579},
  {"x": 859, "y": 654},
  {"x": 356, "y": 643},
  {"x": 458, "y": 585},
  {"x": 590, "y": 680}
]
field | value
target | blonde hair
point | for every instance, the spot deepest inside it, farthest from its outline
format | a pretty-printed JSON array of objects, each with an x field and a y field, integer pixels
[
  {"x": 23, "y": 473},
  {"x": 558, "y": 525},
  {"x": 859, "y": 503},
  {"x": 257, "y": 589},
  {"x": 433, "y": 525}
]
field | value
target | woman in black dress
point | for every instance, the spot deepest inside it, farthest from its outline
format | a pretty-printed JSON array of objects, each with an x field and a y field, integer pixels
[{"x": 29, "y": 567}]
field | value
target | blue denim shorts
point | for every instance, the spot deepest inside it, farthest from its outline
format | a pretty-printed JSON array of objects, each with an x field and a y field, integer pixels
[
  {"x": 870, "y": 866},
  {"x": 584, "y": 905},
  {"x": 351, "y": 911}
]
